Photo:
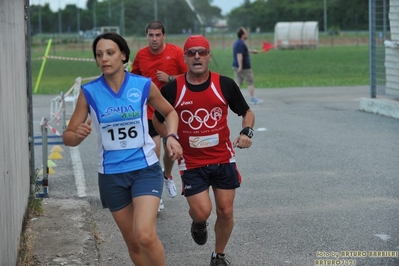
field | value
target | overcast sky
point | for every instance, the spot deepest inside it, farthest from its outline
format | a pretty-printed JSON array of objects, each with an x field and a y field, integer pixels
[{"x": 225, "y": 5}]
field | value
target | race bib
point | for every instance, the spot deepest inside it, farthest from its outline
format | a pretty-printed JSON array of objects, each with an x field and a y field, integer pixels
[{"x": 122, "y": 135}]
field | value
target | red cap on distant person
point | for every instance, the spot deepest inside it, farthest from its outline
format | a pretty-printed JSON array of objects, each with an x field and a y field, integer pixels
[{"x": 196, "y": 40}]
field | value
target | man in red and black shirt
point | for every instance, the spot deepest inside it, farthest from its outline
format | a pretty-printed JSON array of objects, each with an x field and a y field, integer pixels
[{"x": 202, "y": 99}]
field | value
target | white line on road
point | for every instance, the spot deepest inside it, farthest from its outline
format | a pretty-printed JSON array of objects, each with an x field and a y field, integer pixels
[{"x": 79, "y": 174}]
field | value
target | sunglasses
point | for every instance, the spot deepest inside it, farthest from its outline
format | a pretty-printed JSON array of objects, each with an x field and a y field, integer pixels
[{"x": 201, "y": 52}]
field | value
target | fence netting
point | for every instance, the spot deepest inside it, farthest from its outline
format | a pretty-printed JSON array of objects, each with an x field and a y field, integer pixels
[{"x": 384, "y": 47}]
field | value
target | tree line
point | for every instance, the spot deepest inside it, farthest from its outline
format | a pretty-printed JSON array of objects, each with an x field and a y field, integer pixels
[{"x": 132, "y": 15}]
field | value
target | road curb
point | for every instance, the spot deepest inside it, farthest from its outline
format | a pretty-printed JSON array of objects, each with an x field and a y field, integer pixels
[
  {"x": 384, "y": 107},
  {"x": 63, "y": 234}
]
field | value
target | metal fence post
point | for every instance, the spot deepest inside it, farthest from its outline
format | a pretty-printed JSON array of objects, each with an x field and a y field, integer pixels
[
  {"x": 372, "y": 33},
  {"x": 44, "y": 154},
  {"x": 63, "y": 112}
]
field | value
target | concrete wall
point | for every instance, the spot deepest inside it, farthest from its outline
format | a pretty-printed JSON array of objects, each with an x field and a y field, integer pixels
[{"x": 14, "y": 127}]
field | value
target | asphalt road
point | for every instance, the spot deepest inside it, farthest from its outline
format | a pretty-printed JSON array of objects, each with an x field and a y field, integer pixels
[{"x": 319, "y": 182}]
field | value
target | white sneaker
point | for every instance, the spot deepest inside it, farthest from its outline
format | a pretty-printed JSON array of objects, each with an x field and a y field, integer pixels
[
  {"x": 170, "y": 187},
  {"x": 255, "y": 100},
  {"x": 161, "y": 206}
]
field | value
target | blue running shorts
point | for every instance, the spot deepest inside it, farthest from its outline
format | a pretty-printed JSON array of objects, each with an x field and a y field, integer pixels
[
  {"x": 223, "y": 176},
  {"x": 118, "y": 190}
]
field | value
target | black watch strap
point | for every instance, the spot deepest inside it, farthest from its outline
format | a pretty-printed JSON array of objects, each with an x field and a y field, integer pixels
[{"x": 247, "y": 131}]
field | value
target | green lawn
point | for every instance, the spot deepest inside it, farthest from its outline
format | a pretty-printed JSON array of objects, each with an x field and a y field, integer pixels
[{"x": 324, "y": 66}]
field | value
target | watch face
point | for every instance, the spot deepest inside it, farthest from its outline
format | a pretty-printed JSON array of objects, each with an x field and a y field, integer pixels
[
  {"x": 170, "y": 78},
  {"x": 250, "y": 133},
  {"x": 247, "y": 131}
]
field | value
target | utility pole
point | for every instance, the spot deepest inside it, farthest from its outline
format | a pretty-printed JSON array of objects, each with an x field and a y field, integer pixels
[
  {"x": 40, "y": 19},
  {"x": 78, "y": 18},
  {"x": 59, "y": 18},
  {"x": 40, "y": 24},
  {"x": 94, "y": 14},
  {"x": 325, "y": 16},
  {"x": 155, "y": 9},
  {"x": 109, "y": 13},
  {"x": 122, "y": 21}
]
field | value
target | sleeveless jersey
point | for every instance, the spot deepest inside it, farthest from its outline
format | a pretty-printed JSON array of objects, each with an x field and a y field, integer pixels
[
  {"x": 120, "y": 120},
  {"x": 203, "y": 130}
]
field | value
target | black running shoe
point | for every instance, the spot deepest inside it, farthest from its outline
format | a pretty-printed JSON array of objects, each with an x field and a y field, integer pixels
[
  {"x": 199, "y": 232},
  {"x": 220, "y": 260}
]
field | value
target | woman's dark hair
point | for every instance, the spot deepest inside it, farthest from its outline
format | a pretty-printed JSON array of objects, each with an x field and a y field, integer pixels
[{"x": 116, "y": 38}]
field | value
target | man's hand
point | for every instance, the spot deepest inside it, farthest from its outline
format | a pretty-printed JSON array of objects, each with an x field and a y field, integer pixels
[
  {"x": 242, "y": 142},
  {"x": 162, "y": 76},
  {"x": 175, "y": 151}
]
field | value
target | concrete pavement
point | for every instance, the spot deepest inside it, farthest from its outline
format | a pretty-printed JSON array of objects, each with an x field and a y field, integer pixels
[{"x": 293, "y": 215}]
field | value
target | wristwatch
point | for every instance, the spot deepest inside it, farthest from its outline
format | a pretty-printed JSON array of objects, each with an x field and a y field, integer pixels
[
  {"x": 247, "y": 131},
  {"x": 175, "y": 136},
  {"x": 171, "y": 78}
]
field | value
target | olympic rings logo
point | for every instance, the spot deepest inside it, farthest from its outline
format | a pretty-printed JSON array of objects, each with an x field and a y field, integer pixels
[{"x": 201, "y": 117}]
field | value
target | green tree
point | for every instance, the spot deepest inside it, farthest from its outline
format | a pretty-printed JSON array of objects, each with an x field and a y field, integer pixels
[
  {"x": 209, "y": 14},
  {"x": 69, "y": 19},
  {"x": 347, "y": 15},
  {"x": 47, "y": 19},
  {"x": 177, "y": 15}
]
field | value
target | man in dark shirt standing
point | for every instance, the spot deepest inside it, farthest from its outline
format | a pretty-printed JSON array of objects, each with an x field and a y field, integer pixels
[{"x": 242, "y": 65}]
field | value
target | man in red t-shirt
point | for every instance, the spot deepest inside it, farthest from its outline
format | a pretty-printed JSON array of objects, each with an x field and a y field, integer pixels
[
  {"x": 202, "y": 99},
  {"x": 162, "y": 62}
]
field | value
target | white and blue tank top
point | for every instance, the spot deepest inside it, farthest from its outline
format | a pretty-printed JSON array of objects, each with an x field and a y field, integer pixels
[{"x": 120, "y": 120}]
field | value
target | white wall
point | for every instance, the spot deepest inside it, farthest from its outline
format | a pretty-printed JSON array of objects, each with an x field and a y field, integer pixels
[
  {"x": 14, "y": 128},
  {"x": 392, "y": 51}
]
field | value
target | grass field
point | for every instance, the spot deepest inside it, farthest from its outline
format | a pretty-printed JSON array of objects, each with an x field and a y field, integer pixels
[{"x": 341, "y": 64}]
